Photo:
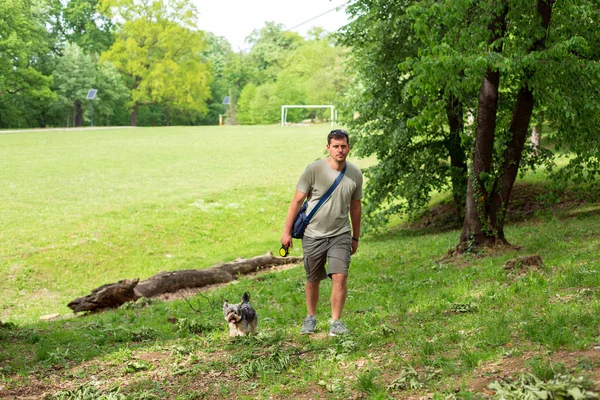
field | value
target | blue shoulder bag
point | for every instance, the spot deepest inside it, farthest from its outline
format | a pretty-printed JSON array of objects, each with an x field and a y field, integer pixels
[{"x": 302, "y": 220}]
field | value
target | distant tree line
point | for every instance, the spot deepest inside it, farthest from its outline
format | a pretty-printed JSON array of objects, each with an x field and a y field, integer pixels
[{"x": 152, "y": 65}]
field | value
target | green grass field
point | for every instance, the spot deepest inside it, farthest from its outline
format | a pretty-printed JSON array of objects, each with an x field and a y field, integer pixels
[{"x": 85, "y": 208}]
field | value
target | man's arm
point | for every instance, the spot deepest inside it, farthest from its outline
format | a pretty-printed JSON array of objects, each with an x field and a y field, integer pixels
[
  {"x": 355, "y": 216},
  {"x": 286, "y": 236}
]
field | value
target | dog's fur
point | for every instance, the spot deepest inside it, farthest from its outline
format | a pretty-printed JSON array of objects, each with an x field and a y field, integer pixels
[{"x": 241, "y": 317}]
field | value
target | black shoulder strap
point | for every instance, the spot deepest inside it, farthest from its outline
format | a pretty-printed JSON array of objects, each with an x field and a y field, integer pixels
[{"x": 326, "y": 195}]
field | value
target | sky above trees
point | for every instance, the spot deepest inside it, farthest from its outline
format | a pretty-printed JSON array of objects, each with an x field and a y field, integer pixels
[{"x": 236, "y": 19}]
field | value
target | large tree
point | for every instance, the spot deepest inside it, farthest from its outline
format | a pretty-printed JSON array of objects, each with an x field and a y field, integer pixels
[
  {"x": 80, "y": 22},
  {"x": 271, "y": 45},
  {"x": 502, "y": 61},
  {"x": 419, "y": 150},
  {"x": 74, "y": 75},
  {"x": 217, "y": 54},
  {"x": 23, "y": 43},
  {"x": 516, "y": 55},
  {"x": 159, "y": 49}
]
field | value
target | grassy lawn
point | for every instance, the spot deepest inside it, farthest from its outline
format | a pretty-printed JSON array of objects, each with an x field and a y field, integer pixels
[{"x": 85, "y": 208}]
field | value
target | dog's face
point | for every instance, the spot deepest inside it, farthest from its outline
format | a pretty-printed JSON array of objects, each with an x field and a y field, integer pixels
[{"x": 232, "y": 312}]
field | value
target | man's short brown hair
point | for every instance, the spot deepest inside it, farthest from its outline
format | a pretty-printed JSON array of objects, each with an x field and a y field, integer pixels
[{"x": 338, "y": 134}]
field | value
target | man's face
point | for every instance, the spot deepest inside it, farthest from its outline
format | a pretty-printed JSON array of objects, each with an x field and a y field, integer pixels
[{"x": 338, "y": 149}]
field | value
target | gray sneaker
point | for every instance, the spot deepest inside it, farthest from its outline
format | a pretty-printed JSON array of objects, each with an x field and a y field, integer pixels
[
  {"x": 309, "y": 325},
  {"x": 337, "y": 328}
]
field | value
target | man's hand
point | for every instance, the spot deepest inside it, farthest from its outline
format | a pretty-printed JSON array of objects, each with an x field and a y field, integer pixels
[
  {"x": 354, "y": 246},
  {"x": 286, "y": 241}
]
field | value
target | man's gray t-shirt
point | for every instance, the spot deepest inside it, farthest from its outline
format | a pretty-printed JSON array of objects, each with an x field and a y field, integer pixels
[{"x": 332, "y": 217}]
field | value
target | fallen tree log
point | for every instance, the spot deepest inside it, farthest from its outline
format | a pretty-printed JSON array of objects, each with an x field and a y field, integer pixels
[
  {"x": 115, "y": 294},
  {"x": 106, "y": 296}
]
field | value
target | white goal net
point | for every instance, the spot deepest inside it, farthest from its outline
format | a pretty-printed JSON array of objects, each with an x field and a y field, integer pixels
[{"x": 285, "y": 108}]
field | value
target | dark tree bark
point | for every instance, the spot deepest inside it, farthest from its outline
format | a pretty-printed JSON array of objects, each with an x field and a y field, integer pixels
[
  {"x": 134, "y": 114},
  {"x": 475, "y": 230},
  {"x": 78, "y": 115},
  {"x": 173, "y": 281},
  {"x": 519, "y": 129},
  {"x": 485, "y": 211},
  {"x": 106, "y": 296},
  {"x": 458, "y": 162}
]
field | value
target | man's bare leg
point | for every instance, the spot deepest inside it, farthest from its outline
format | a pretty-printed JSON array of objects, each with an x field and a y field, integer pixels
[
  {"x": 311, "y": 291},
  {"x": 339, "y": 290}
]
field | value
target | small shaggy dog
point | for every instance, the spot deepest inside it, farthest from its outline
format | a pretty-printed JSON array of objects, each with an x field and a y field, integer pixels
[{"x": 241, "y": 317}]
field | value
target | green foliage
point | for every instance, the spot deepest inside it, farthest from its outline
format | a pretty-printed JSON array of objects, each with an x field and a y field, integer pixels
[
  {"x": 258, "y": 105},
  {"x": 410, "y": 379},
  {"x": 194, "y": 326},
  {"x": 80, "y": 22},
  {"x": 367, "y": 383},
  {"x": 271, "y": 45},
  {"x": 413, "y": 156},
  {"x": 136, "y": 366},
  {"x": 252, "y": 365},
  {"x": 75, "y": 74},
  {"x": 218, "y": 55},
  {"x": 544, "y": 369},
  {"x": 88, "y": 392},
  {"x": 415, "y": 59},
  {"x": 288, "y": 70},
  {"x": 159, "y": 50},
  {"x": 112, "y": 93},
  {"x": 23, "y": 44},
  {"x": 529, "y": 387}
]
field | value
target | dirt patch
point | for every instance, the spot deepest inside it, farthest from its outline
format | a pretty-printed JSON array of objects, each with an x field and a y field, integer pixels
[{"x": 521, "y": 266}]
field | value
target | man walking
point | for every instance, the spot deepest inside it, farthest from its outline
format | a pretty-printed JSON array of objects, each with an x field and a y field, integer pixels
[{"x": 330, "y": 238}]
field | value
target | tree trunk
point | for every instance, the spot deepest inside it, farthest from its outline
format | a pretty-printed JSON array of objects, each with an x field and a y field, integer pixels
[
  {"x": 519, "y": 128},
  {"x": 476, "y": 229},
  {"x": 134, "y": 114},
  {"x": 486, "y": 208},
  {"x": 512, "y": 158},
  {"x": 78, "y": 115},
  {"x": 458, "y": 163}
]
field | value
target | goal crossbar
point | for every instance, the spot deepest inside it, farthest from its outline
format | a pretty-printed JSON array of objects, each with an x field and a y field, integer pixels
[{"x": 284, "y": 109}]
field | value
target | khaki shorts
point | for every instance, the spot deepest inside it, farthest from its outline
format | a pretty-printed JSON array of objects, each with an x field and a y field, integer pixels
[{"x": 335, "y": 251}]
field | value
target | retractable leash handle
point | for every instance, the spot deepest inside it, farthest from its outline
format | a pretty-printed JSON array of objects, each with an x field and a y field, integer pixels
[{"x": 284, "y": 251}]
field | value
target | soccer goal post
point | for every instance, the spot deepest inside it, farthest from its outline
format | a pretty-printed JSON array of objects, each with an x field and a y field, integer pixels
[{"x": 284, "y": 109}]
